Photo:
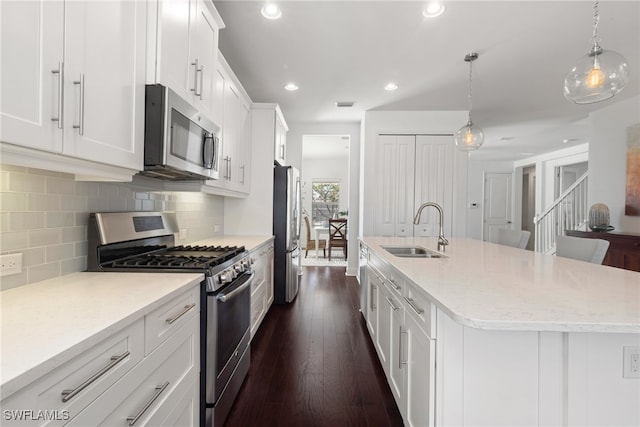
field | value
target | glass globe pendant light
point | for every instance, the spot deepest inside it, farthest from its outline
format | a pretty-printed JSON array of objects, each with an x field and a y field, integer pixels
[
  {"x": 469, "y": 137},
  {"x": 597, "y": 76}
]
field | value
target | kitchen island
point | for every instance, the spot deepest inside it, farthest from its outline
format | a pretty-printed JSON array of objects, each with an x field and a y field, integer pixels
[{"x": 493, "y": 335}]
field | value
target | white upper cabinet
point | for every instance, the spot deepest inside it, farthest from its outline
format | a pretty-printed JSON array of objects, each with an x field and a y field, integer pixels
[
  {"x": 280, "y": 145},
  {"x": 187, "y": 52},
  {"x": 235, "y": 164},
  {"x": 73, "y": 77},
  {"x": 31, "y": 50}
]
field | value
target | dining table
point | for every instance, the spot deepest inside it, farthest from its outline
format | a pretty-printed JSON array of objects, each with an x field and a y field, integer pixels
[{"x": 320, "y": 229}]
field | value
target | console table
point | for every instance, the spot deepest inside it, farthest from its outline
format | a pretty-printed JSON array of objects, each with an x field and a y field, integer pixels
[{"x": 624, "y": 248}]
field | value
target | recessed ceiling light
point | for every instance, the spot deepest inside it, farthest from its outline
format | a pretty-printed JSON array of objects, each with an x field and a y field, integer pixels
[
  {"x": 566, "y": 140},
  {"x": 271, "y": 11},
  {"x": 526, "y": 154},
  {"x": 344, "y": 104},
  {"x": 433, "y": 9},
  {"x": 507, "y": 138},
  {"x": 291, "y": 87},
  {"x": 391, "y": 86}
]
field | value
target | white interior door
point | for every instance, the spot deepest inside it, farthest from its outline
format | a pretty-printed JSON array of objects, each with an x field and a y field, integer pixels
[{"x": 497, "y": 204}]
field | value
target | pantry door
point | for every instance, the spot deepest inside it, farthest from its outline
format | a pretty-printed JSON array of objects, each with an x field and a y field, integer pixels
[{"x": 497, "y": 205}]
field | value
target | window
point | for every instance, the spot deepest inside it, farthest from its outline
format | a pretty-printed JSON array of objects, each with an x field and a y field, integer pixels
[{"x": 325, "y": 200}]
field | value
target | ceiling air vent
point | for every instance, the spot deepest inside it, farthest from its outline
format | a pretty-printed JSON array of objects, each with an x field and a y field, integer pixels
[{"x": 344, "y": 104}]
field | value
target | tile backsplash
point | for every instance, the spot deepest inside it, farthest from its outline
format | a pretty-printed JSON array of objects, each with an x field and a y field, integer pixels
[{"x": 44, "y": 216}]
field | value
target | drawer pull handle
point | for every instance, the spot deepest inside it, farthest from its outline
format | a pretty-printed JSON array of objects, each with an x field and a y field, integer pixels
[
  {"x": 397, "y": 288},
  {"x": 414, "y": 306},
  {"x": 159, "y": 390},
  {"x": 70, "y": 394},
  {"x": 182, "y": 313},
  {"x": 393, "y": 306}
]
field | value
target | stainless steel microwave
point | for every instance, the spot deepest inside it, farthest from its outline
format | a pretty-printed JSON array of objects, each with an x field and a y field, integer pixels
[{"x": 180, "y": 143}]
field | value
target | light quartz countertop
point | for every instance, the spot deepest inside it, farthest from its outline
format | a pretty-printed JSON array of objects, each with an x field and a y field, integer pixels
[
  {"x": 47, "y": 323},
  {"x": 490, "y": 286},
  {"x": 249, "y": 242}
]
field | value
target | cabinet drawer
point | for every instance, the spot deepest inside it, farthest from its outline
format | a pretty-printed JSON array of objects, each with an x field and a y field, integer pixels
[
  {"x": 165, "y": 320},
  {"x": 150, "y": 391},
  {"x": 421, "y": 309},
  {"x": 82, "y": 379}
]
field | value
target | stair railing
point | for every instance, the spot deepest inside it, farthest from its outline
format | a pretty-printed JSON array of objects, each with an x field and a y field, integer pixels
[{"x": 567, "y": 212}]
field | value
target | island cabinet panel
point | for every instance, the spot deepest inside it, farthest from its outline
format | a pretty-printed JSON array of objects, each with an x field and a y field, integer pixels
[
  {"x": 418, "y": 360},
  {"x": 624, "y": 248}
]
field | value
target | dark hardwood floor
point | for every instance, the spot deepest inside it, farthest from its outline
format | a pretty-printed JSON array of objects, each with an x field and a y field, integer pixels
[{"x": 313, "y": 363}]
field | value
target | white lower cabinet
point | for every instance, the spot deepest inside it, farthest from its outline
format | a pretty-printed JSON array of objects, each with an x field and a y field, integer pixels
[
  {"x": 262, "y": 287},
  {"x": 117, "y": 382},
  {"x": 148, "y": 394},
  {"x": 419, "y": 361},
  {"x": 398, "y": 317}
]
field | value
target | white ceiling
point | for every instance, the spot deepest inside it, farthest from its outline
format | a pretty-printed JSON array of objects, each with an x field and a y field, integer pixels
[{"x": 348, "y": 50}]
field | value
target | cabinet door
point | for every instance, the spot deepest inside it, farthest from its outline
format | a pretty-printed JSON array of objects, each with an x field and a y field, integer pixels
[
  {"x": 269, "y": 277},
  {"x": 230, "y": 135},
  {"x": 372, "y": 306},
  {"x": 205, "y": 47},
  {"x": 174, "y": 65},
  {"x": 383, "y": 337},
  {"x": 244, "y": 148},
  {"x": 434, "y": 182},
  {"x": 104, "y": 81},
  {"x": 420, "y": 378},
  {"x": 394, "y": 207},
  {"x": 31, "y": 48},
  {"x": 280, "y": 145}
]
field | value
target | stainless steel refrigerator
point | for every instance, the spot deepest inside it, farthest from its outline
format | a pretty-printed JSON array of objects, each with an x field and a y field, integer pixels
[{"x": 286, "y": 229}]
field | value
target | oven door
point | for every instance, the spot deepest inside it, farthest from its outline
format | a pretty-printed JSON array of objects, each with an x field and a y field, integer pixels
[{"x": 228, "y": 333}]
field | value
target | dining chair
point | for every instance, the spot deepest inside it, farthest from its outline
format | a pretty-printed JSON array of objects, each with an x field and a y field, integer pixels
[
  {"x": 590, "y": 250},
  {"x": 515, "y": 238},
  {"x": 311, "y": 243},
  {"x": 338, "y": 235}
]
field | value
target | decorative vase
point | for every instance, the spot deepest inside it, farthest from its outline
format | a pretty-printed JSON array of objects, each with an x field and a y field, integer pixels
[{"x": 599, "y": 217}]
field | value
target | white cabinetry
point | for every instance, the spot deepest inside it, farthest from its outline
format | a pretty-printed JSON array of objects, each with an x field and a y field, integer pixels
[
  {"x": 186, "y": 39},
  {"x": 401, "y": 322},
  {"x": 413, "y": 170},
  {"x": 73, "y": 77},
  {"x": 262, "y": 287},
  {"x": 235, "y": 164},
  {"x": 280, "y": 142},
  {"x": 149, "y": 370}
]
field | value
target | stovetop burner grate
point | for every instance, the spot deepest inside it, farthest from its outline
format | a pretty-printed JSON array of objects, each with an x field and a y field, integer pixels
[{"x": 180, "y": 257}]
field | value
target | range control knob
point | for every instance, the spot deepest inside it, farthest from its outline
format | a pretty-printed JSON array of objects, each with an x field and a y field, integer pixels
[
  {"x": 226, "y": 277},
  {"x": 238, "y": 268},
  {"x": 246, "y": 264}
]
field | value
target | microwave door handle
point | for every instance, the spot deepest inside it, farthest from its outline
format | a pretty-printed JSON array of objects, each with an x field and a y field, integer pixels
[{"x": 208, "y": 152}]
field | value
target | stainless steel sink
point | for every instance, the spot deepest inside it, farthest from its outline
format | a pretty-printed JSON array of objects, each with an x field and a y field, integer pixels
[{"x": 412, "y": 252}]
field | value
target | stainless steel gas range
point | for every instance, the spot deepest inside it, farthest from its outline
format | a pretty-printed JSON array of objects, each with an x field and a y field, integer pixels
[{"x": 145, "y": 242}]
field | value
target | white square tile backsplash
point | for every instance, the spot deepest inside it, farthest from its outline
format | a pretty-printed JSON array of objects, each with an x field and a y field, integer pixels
[{"x": 43, "y": 215}]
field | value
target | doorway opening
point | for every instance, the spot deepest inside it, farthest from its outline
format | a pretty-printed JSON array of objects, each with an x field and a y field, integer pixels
[
  {"x": 529, "y": 203},
  {"x": 325, "y": 190}
]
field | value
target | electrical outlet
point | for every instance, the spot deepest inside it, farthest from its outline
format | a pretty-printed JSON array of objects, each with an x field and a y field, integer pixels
[
  {"x": 183, "y": 233},
  {"x": 631, "y": 362},
  {"x": 10, "y": 264},
  {"x": 216, "y": 228}
]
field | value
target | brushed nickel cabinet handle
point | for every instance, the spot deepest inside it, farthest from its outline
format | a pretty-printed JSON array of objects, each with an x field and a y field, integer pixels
[
  {"x": 397, "y": 288},
  {"x": 159, "y": 390},
  {"x": 201, "y": 71},
  {"x": 393, "y": 306},
  {"x": 182, "y": 313},
  {"x": 70, "y": 394},
  {"x": 195, "y": 77},
  {"x": 80, "y": 125},
  {"x": 401, "y": 363},
  {"x": 413, "y": 305},
  {"x": 60, "y": 73}
]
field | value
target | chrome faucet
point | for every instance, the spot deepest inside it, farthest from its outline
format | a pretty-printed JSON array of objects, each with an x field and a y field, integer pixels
[{"x": 442, "y": 242}]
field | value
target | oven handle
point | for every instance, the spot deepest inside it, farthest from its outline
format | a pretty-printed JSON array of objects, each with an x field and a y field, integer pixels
[{"x": 229, "y": 296}]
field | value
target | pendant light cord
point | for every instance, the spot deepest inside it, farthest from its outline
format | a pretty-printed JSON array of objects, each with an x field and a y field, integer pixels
[
  {"x": 470, "y": 87},
  {"x": 595, "y": 37}
]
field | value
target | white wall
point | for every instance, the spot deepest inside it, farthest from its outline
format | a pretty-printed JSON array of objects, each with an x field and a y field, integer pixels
[{"x": 607, "y": 160}]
